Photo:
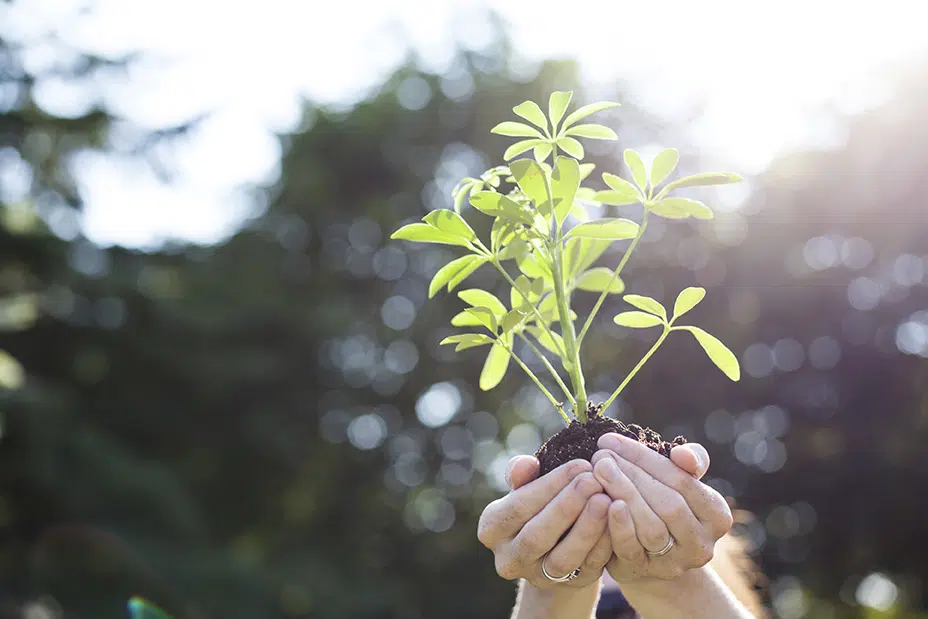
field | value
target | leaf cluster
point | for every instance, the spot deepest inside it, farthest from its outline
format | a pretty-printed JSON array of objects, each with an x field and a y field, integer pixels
[{"x": 546, "y": 245}]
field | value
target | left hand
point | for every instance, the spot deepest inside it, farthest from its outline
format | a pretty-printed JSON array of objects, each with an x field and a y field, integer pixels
[{"x": 656, "y": 499}]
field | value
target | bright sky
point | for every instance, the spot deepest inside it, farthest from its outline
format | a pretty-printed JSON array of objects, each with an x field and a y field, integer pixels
[{"x": 766, "y": 70}]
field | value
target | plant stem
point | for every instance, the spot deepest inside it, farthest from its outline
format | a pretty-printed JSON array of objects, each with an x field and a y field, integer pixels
[
  {"x": 538, "y": 383},
  {"x": 634, "y": 371},
  {"x": 551, "y": 369},
  {"x": 615, "y": 276},
  {"x": 538, "y": 316},
  {"x": 572, "y": 358}
]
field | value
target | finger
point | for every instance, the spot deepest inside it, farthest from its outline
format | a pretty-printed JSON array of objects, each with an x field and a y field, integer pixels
[
  {"x": 670, "y": 507},
  {"x": 650, "y": 529},
  {"x": 504, "y": 518},
  {"x": 572, "y": 552},
  {"x": 622, "y": 534},
  {"x": 521, "y": 470},
  {"x": 692, "y": 458},
  {"x": 697, "y": 495},
  {"x": 602, "y": 552},
  {"x": 541, "y": 533}
]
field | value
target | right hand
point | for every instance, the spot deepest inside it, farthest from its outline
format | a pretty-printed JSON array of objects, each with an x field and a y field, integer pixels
[
  {"x": 656, "y": 499},
  {"x": 524, "y": 526}
]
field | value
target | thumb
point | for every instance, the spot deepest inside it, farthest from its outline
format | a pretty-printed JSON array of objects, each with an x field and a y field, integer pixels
[
  {"x": 692, "y": 458},
  {"x": 521, "y": 470}
]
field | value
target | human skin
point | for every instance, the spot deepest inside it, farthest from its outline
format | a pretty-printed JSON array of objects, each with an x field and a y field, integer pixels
[{"x": 623, "y": 503}]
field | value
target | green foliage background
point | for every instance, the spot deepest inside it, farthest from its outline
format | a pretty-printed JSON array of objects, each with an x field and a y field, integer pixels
[{"x": 182, "y": 433}]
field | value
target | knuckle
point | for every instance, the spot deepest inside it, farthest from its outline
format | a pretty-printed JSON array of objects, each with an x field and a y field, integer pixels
[
  {"x": 677, "y": 510},
  {"x": 557, "y": 566},
  {"x": 704, "y": 554},
  {"x": 574, "y": 468},
  {"x": 507, "y": 568},
  {"x": 653, "y": 539},
  {"x": 722, "y": 519},
  {"x": 631, "y": 552},
  {"x": 598, "y": 557},
  {"x": 684, "y": 484},
  {"x": 586, "y": 485},
  {"x": 529, "y": 545},
  {"x": 486, "y": 526}
]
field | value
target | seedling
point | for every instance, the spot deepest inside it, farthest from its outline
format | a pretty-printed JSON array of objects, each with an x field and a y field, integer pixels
[{"x": 545, "y": 245}]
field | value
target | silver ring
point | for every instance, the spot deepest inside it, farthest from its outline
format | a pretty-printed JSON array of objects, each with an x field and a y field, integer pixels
[
  {"x": 565, "y": 578},
  {"x": 662, "y": 551}
]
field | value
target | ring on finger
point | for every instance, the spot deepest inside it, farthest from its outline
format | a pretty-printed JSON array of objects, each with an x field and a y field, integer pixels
[
  {"x": 659, "y": 553},
  {"x": 565, "y": 578}
]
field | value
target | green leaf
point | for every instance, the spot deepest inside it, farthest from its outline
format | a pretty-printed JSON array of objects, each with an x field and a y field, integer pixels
[
  {"x": 520, "y": 147},
  {"x": 498, "y": 205},
  {"x": 494, "y": 368},
  {"x": 467, "y": 340},
  {"x": 611, "y": 228},
  {"x": 475, "y": 297},
  {"x": 466, "y": 319},
  {"x": 681, "y": 208},
  {"x": 550, "y": 340},
  {"x": 687, "y": 300},
  {"x": 531, "y": 180},
  {"x": 501, "y": 233},
  {"x": 571, "y": 146},
  {"x": 647, "y": 304},
  {"x": 723, "y": 358},
  {"x": 586, "y": 110},
  {"x": 668, "y": 211},
  {"x": 484, "y": 316},
  {"x": 557, "y": 105},
  {"x": 448, "y": 271},
  {"x": 577, "y": 210},
  {"x": 452, "y": 223},
  {"x": 586, "y": 169},
  {"x": 514, "y": 250},
  {"x": 637, "y": 320},
  {"x": 512, "y": 319},
  {"x": 694, "y": 208},
  {"x": 520, "y": 295},
  {"x": 530, "y": 111},
  {"x": 466, "y": 272},
  {"x": 541, "y": 152},
  {"x": 704, "y": 179},
  {"x": 596, "y": 280},
  {"x": 565, "y": 180},
  {"x": 516, "y": 130},
  {"x": 663, "y": 165},
  {"x": 596, "y": 132},
  {"x": 622, "y": 192},
  {"x": 424, "y": 233},
  {"x": 636, "y": 165},
  {"x": 531, "y": 266},
  {"x": 590, "y": 252}
]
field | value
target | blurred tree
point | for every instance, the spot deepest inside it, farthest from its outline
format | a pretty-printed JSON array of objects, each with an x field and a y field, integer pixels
[{"x": 268, "y": 428}]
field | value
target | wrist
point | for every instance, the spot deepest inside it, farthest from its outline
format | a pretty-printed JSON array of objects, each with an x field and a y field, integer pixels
[{"x": 557, "y": 601}]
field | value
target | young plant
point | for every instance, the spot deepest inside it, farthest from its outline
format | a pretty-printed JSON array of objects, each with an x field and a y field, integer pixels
[{"x": 545, "y": 245}]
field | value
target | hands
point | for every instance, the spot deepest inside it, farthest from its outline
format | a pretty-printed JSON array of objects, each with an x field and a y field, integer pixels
[
  {"x": 633, "y": 501},
  {"x": 654, "y": 501},
  {"x": 528, "y": 523}
]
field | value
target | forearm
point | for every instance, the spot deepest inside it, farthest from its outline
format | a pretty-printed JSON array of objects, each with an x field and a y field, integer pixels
[
  {"x": 555, "y": 603},
  {"x": 698, "y": 594}
]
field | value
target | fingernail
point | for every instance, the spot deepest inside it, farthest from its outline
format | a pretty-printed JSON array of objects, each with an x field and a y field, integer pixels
[
  {"x": 576, "y": 467},
  {"x": 608, "y": 469}
]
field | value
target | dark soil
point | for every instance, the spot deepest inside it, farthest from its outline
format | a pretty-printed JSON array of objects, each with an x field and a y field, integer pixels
[{"x": 578, "y": 440}]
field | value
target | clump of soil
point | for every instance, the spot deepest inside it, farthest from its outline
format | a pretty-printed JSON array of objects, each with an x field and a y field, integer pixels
[{"x": 578, "y": 440}]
